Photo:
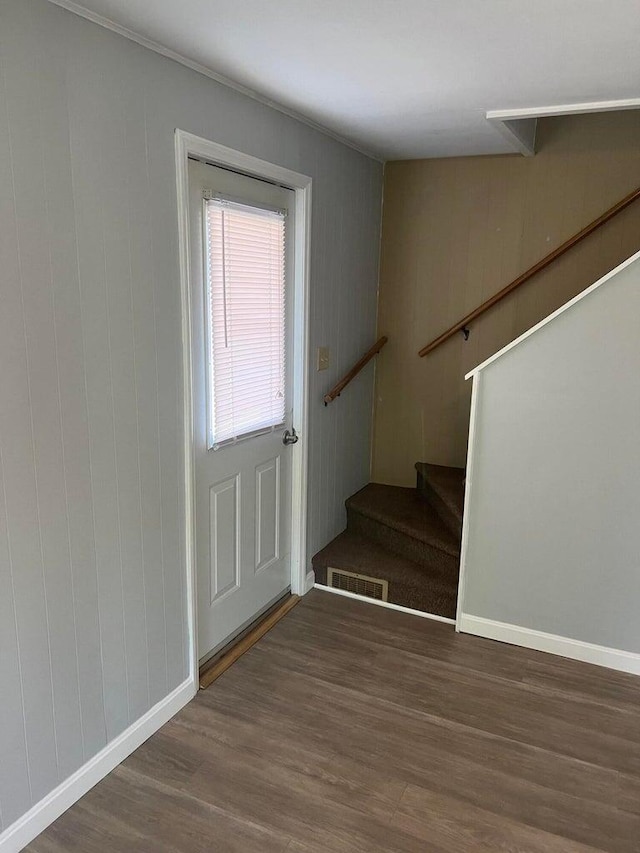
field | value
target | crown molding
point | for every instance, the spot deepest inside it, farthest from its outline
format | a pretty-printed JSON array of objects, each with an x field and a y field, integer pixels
[{"x": 156, "y": 47}]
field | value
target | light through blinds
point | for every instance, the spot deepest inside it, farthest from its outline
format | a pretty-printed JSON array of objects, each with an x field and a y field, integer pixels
[{"x": 245, "y": 281}]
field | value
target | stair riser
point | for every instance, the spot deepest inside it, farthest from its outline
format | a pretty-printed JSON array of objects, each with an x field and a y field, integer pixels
[
  {"x": 448, "y": 516},
  {"x": 441, "y": 598},
  {"x": 441, "y": 602},
  {"x": 320, "y": 573},
  {"x": 433, "y": 559}
]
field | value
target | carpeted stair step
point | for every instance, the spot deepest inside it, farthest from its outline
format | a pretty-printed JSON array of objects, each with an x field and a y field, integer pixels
[
  {"x": 410, "y": 584},
  {"x": 443, "y": 489},
  {"x": 402, "y": 522}
]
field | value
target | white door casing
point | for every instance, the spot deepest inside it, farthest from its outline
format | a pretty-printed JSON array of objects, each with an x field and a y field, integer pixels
[{"x": 186, "y": 145}]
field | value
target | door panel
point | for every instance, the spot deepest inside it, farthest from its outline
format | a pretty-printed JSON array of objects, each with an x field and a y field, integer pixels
[
  {"x": 243, "y": 486},
  {"x": 267, "y": 513},
  {"x": 224, "y": 535}
]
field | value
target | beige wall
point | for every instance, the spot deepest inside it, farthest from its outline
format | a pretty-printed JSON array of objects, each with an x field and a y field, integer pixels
[{"x": 457, "y": 230}]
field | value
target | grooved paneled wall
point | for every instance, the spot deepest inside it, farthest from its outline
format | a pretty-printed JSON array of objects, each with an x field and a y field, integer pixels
[
  {"x": 456, "y": 231},
  {"x": 92, "y": 597},
  {"x": 553, "y": 540}
]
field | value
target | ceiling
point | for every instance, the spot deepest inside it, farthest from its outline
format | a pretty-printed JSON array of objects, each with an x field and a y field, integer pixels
[{"x": 402, "y": 79}]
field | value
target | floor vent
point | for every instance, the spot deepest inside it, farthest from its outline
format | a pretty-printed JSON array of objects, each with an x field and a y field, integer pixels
[{"x": 358, "y": 584}]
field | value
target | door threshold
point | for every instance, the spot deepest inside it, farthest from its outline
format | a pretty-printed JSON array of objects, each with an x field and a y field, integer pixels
[{"x": 234, "y": 650}]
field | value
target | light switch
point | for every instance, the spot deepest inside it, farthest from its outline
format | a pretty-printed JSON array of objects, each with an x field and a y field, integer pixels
[{"x": 323, "y": 358}]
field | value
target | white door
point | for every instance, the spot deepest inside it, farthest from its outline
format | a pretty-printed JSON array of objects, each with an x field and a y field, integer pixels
[{"x": 242, "y": 316}]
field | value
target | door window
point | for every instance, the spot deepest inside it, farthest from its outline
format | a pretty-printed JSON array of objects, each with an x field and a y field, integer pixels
[{"x": 246, "y": 317}]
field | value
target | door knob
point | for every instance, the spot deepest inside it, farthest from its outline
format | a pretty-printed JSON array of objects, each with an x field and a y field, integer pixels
[{"x": 290, "y": 437}]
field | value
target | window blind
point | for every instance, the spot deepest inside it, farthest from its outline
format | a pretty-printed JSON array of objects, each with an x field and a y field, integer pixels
[{"x": 245, "y": 270}]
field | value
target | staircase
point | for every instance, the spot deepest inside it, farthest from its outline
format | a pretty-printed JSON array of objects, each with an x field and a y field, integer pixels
[{"x": 409, "y": 538}]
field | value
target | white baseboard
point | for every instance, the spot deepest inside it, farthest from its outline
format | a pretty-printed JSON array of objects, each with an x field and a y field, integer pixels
[
  {"x": 387, "y": 604},
  {"x": 40, "y": 816},
  {"x": 310, "y": 581},
  {"x": 554, "y": 644}
]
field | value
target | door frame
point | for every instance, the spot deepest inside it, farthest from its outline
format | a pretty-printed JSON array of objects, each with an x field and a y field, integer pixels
[{"x": 188, "y": 145}]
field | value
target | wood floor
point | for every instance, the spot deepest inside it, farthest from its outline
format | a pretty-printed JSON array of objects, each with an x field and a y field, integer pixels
[{"x": 351, "y": 728}]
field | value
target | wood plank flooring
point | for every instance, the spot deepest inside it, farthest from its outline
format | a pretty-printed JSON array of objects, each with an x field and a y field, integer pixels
[
  {"x": 353, "y": 729},
  {"x": 241, "y": 645}
]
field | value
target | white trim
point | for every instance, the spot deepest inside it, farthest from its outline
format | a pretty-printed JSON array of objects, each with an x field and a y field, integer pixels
[
  {"x": 143, "y": 41},
  {"x": 186, "y": 145},
  {"x": 387, "y": 604},
  {"x": 564, "y": 109},
  {"x": 566, "y": 647},
  {"x": 468, "y": 487},
  {"x": 561, "y": 310},
  {"x": 506, "y": 121},
  {"x": 182, "y": 189},
  {"x": 301, "y": 360},
  {"x": 310, "y": 581},
  {"x": 31, "y": 824}
]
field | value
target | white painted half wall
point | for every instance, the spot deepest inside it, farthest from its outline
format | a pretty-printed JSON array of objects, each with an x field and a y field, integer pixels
[
  {"x": 92, "y": 579},
  {"x": 551, "y": 539}
]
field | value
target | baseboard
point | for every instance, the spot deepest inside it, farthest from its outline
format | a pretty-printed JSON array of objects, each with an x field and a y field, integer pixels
[
  {"x": 554, "y": 644},
  {"x": 310, "y": 581},
  {"x": 40, "y": 816},
  {"x": 387, "y": 604}
]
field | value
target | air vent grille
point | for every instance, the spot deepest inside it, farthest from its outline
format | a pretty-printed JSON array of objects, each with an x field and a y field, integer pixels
[{"x": 359, "y": 584}]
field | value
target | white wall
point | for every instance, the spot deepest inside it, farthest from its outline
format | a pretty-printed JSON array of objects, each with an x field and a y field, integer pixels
[
  {"x": 552, "y": 519},
  {"x": 92, "y": 599}
]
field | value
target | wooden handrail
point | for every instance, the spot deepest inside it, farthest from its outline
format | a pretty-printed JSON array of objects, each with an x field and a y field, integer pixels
[
  {"x": 357, "y": 367},
  {"x": 461, "y": 325}
]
